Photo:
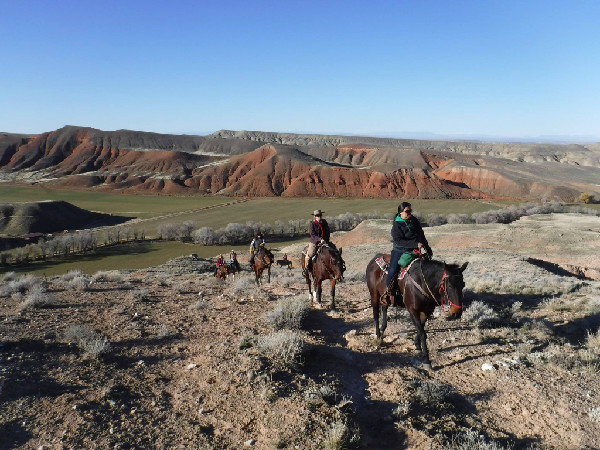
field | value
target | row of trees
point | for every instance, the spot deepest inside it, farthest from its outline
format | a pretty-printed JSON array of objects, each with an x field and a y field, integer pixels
[{"x": 69, "y": 244}]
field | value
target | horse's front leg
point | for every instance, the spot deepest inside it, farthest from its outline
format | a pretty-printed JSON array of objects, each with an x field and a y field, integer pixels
[
  {"x": 317, "y": 292},
  {"x": 308, "y": 283},
  {"x": 419, "y": 320},
  {"x": 268, "y": 274},
  {"x": 333, "y": 293}
]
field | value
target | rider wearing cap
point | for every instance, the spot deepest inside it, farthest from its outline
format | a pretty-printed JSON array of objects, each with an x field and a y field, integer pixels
[
  {"x": 255, "y": 245},
  {"x": 319, "y": 234}
]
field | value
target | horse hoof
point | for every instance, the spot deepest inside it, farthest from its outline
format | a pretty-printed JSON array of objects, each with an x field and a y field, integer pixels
[{"x": 427, "y": 367}]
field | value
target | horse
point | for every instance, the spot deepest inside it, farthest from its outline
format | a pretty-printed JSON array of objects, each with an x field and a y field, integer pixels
[
  {"x": 284, "y": 263},
  {"x": 225, "y": 270},
  {"x": 329, "y": 265},
  {"x": 262, "y": 260},
  {"x": 425, "y": 285}
]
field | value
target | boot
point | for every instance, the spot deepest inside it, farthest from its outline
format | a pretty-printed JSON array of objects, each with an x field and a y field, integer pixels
[
  {"x": 387, "y": 298},
  {"x": 308, "y": 266}
]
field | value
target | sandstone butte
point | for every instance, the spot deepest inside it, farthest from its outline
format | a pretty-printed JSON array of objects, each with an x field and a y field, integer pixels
[{"x": 243, "y": 163}]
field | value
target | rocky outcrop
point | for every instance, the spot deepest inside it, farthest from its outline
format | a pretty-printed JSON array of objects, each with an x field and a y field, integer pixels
[{"x": 248, "y": 163}]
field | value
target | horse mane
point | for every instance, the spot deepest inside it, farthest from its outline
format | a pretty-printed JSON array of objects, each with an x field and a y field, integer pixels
[{"x": 434, "y": 268}]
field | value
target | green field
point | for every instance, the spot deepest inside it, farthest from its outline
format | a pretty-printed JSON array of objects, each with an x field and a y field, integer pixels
[{"x": 154, "y": 210}]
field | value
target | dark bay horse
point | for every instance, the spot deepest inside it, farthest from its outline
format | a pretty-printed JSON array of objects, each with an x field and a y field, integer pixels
[
  {"x": 329, "y": 265},
  {"x": 427, "y": 284},
  {"x": 262, "y": 260}
]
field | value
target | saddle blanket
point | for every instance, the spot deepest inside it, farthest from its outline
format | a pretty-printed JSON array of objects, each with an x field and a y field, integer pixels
[{"x": 385, "y": 266}]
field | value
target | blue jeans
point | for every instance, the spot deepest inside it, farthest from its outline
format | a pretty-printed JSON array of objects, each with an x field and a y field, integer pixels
[{"x": 394, "y": 257}]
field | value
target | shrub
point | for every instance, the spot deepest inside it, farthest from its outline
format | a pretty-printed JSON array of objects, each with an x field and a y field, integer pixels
[
  {"x": 432, "y": 394},
  {"x": 70, "y": 275},
  {"x": 9, "y": 276},
  {"x": 19, "y": 285},
  {"x": 289, "y": 313},
  {"x": 242, "y": 285},
  {"x": 481, "y": 315},
  {"x": 111, "y": 275},
  {"x": 458, "y": 219},
  {"x": 87, "y": 340},
  {"x": 37, "y": 297},
  {"x": 283, "y": 347},
  {"x": 199, "y": 305},
  {"x": 339, "y": 436},
  {"x": 471, "y": 440},
  {"x": 434, "y": 220},
  {"x": 79, "y": 283}
]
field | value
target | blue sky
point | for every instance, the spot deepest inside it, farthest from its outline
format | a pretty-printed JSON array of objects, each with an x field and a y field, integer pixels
[{"x": 479, "y": 67}]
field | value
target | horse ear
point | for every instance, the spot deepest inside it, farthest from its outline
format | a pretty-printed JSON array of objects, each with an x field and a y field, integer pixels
[{"x": 464, "y": 266}]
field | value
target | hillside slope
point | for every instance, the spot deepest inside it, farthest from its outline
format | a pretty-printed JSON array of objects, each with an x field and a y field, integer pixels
[
  {"x": 47, "y": 217},
  {"x": 278, "y": 164}
]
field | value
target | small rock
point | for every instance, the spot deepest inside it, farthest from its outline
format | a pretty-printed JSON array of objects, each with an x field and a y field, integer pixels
[
  {"x": 140, "y": 362},
  {"x": 191, "y": 366},
  {"x": 487, "y": 366},
  {"x": 249, "y": 442}
]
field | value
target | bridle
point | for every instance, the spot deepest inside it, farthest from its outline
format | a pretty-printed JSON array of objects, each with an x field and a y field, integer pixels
[
  {"x": 443, "y": 292},
  {"x": 337, "y": 258}
]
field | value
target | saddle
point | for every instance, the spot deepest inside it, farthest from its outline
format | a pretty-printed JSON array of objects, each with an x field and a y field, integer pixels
[{"x": 393, "y": 290}]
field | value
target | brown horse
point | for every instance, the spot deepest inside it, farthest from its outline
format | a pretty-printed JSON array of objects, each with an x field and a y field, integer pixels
[
  {"x": 225, "y": 270},
  {"x": 262, "y": 260},
  {"x": 427, "y": 284},
  {"x": 329, "y": 265}
]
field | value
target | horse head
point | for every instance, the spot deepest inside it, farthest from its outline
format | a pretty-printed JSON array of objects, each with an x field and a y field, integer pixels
[
  {"x": 332, "y": 259},
  {"x": 451, "y": 289}
]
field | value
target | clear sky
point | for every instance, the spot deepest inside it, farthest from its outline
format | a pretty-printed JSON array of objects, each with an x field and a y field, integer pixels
[{"x": 509, "y": 68}]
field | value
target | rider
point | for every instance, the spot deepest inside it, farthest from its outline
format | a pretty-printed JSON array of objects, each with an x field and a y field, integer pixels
[
  {"x": 233, "y": 259},
  {"x": 408, "y": 236},
  {"x": 255, "y": 245},
  {"x": 220, "y": 262},
  {"x": 319, "y": 234}
]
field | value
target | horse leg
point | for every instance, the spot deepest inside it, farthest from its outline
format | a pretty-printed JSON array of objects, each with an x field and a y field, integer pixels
[
  {"x": 268, "y": 274},
  {"x": 333, "y": 294},
  {"x": 308, "y": 283},
  {"x": 421, "y": 338},
  {"x": 317, "y": 293},
  {"x": 383, "y": 318}
]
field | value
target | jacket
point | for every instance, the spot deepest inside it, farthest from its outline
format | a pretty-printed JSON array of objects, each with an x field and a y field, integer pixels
[
  {"x": 318, "y": 231},
  {"x": 256, "y": 243},
  {"x": 406, "y": 234}
]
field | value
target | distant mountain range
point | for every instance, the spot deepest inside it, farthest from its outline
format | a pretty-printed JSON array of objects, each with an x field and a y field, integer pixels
[{"x": 254, "y": 163}]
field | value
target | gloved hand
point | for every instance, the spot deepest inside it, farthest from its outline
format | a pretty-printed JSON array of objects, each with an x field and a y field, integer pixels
[{"x": 322, "y": 241}]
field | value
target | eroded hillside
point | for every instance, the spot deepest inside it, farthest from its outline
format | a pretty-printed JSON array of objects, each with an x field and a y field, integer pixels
[{"x": 278, "y": 164}]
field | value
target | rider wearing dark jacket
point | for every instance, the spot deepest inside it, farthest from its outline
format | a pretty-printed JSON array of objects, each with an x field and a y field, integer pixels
[
  {"x": 407, "y": 235},
  {"x": 319, "y": 232}
]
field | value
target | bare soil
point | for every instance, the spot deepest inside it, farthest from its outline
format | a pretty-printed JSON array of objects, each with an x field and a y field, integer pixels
[{"x": 178, "y": 374}]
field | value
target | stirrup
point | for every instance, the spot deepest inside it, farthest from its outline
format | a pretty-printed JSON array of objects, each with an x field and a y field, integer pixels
[{"x": 383, "y": 300}]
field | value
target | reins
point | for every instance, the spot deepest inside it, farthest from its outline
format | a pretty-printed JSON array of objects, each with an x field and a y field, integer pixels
[{"x": 442, "y": 291}]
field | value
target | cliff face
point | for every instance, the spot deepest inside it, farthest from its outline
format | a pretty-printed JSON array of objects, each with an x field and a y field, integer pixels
[{"x": 274, "y": 164}]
